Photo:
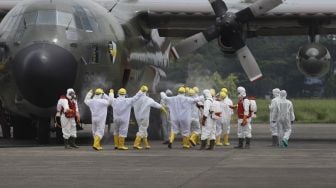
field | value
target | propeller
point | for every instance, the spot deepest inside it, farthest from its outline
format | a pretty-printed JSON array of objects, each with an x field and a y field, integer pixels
[{"x": 228, "y": 27}]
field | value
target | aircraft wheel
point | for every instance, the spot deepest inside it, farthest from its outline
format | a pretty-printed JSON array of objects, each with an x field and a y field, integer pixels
[
  {"x": 43, "y": 131},
  {"x": 23, "y": 128}
]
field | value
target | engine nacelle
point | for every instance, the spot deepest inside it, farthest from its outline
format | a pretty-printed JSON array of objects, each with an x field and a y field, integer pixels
[
  {"x": 313, "y": 60},
  {"x": 225, "y": 46}
]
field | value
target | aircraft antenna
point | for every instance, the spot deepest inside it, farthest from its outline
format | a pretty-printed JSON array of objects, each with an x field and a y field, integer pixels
[
  {"x": 24, "y": 23},
  {"x": 110, "y": 10},
  {"x": 68, "y": 24}
]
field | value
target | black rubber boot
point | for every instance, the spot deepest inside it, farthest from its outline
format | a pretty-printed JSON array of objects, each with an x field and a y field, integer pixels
[
  {"x": 66, "y": 144},
  {"x": 275, "y": 141},
  {"x": 72, "y": 142},
  {"x": 212, "y": 145},
  {"x": 203, "y": 144},
  {"x": 247, "y": 144},
  {"x": 240, "y": 143},
  {"x": 170, "y": 145}
]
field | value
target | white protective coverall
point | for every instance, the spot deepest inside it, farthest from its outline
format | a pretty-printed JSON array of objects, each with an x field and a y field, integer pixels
[
  {"x": 142, "y": 111},
  {"x": 223, "y": 125},
  {"x": 195, "y": 126},
  {"x": 272, "y": 108},
  {"x": 211, "y": 108},
  {"x": 284, "y": 115},
  {"x": 245, "y": 131},
  {"x": 180, "y": 112},
  {"x": 68, "y": 124},
  {"x": 98, "y": 107},
  {"x": 121, "y": 112}
]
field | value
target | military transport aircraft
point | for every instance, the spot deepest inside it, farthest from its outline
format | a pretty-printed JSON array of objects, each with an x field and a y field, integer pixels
[{"x": 47, "y": 46}]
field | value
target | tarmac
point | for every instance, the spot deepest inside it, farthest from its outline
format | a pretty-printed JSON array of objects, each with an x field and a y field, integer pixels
[{"x": 309, "y": 161}]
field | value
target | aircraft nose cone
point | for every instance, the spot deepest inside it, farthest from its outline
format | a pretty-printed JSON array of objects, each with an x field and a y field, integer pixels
[{"x": 44, "y": 71}]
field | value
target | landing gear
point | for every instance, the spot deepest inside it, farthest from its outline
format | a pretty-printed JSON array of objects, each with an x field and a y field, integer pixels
[
  {"x": 23, "y": 128},
  {"x": 43, "y": 131}
]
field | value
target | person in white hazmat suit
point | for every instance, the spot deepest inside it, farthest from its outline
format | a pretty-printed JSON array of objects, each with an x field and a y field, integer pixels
[
  {"x": 223, "y": 125},
  {"x": 211, "y": 114},
  {"x": 142, "y": 111},
  {"x": 195, "y": 126},
  {"x": 180, "y": 115},
  {"x": 98, "y": 104},
  {"x": 284, "y": 116},
  {"x": 69, "y": 113},
  {"x": 273, "y": 124},
  {"x": 121, "y": 115},
  {"x": 165, "y": 119},
  {"x": 244, "y": 119}
]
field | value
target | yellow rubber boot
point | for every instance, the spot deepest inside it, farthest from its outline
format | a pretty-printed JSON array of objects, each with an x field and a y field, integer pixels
[
  {"x": 193, "y": 139},
  {"x": 218, "y": 141},
  {"x": 121, "y": 145},
  {"x": 95, "y": 143},
  {"x": 147, "y": 146},
  {"x": 171, "y": 140},
  {"x": 98, "y": 143},
  {"x": 137, "y": 143},
  {"x": 198, "y": 139},
  {"x": 185, "y": 142},
  {"x": 116, "y": 141},
  {"x": 226, "y": 140}
]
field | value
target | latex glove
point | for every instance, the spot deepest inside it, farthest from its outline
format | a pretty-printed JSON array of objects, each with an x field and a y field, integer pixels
[
  {"x": 77, "y": 118},
  {"x": 244, "y": 121},
  {"x": 58, "y": 120},
  {"x": 203, "y": 120},
  {"x": 234, "y": 106},
  {"x": 163, "y": 109}
]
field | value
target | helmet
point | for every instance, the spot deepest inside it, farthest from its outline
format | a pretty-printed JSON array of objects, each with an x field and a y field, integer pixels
[
  {"x": 144, "y": 88},
  {"x": 213, "y": 92},
  {"x": 196, "y": 89},
  {"x": 181, "y": 90},
  {"x": 222, "y": 94},
  {"x": 187, "y": 89},
  {"x": 224, "y": 90},
  {"x": 191, "y": 92},
  {"x": 99, "y": 91},
  {"x": 122, "y": 91}
]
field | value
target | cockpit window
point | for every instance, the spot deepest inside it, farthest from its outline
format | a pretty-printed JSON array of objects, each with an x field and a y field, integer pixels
[
  {"x": 46, "y": 17},
  {"x": 66, "y": 20},
  {"x": 30, "y": 18}
]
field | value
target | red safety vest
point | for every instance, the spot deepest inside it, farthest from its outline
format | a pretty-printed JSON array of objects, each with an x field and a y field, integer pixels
[
  {"x": 72, "y": 105},
  {"x": 240, "y": 109}
]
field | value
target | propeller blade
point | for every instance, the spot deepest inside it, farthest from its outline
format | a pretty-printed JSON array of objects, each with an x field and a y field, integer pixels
[
  {"x": 218, "y": 6},
  {"x": 194, "y": 42},
  {"x": 256, "y": 9},
  {"x": 249, "y": 64}
]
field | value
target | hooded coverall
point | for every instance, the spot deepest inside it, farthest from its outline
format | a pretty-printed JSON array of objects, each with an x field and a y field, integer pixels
[
  {"x": 98, "y": 107},
  {"x": 121, "y": 113},
  {"x": 142, "y": 111},
  {"x": 284, "y": 115},
  {"x": 68, "y": 123}
]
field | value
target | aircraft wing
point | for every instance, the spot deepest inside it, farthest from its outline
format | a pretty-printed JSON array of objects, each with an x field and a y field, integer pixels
[{"x": 293, "y": 17}]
